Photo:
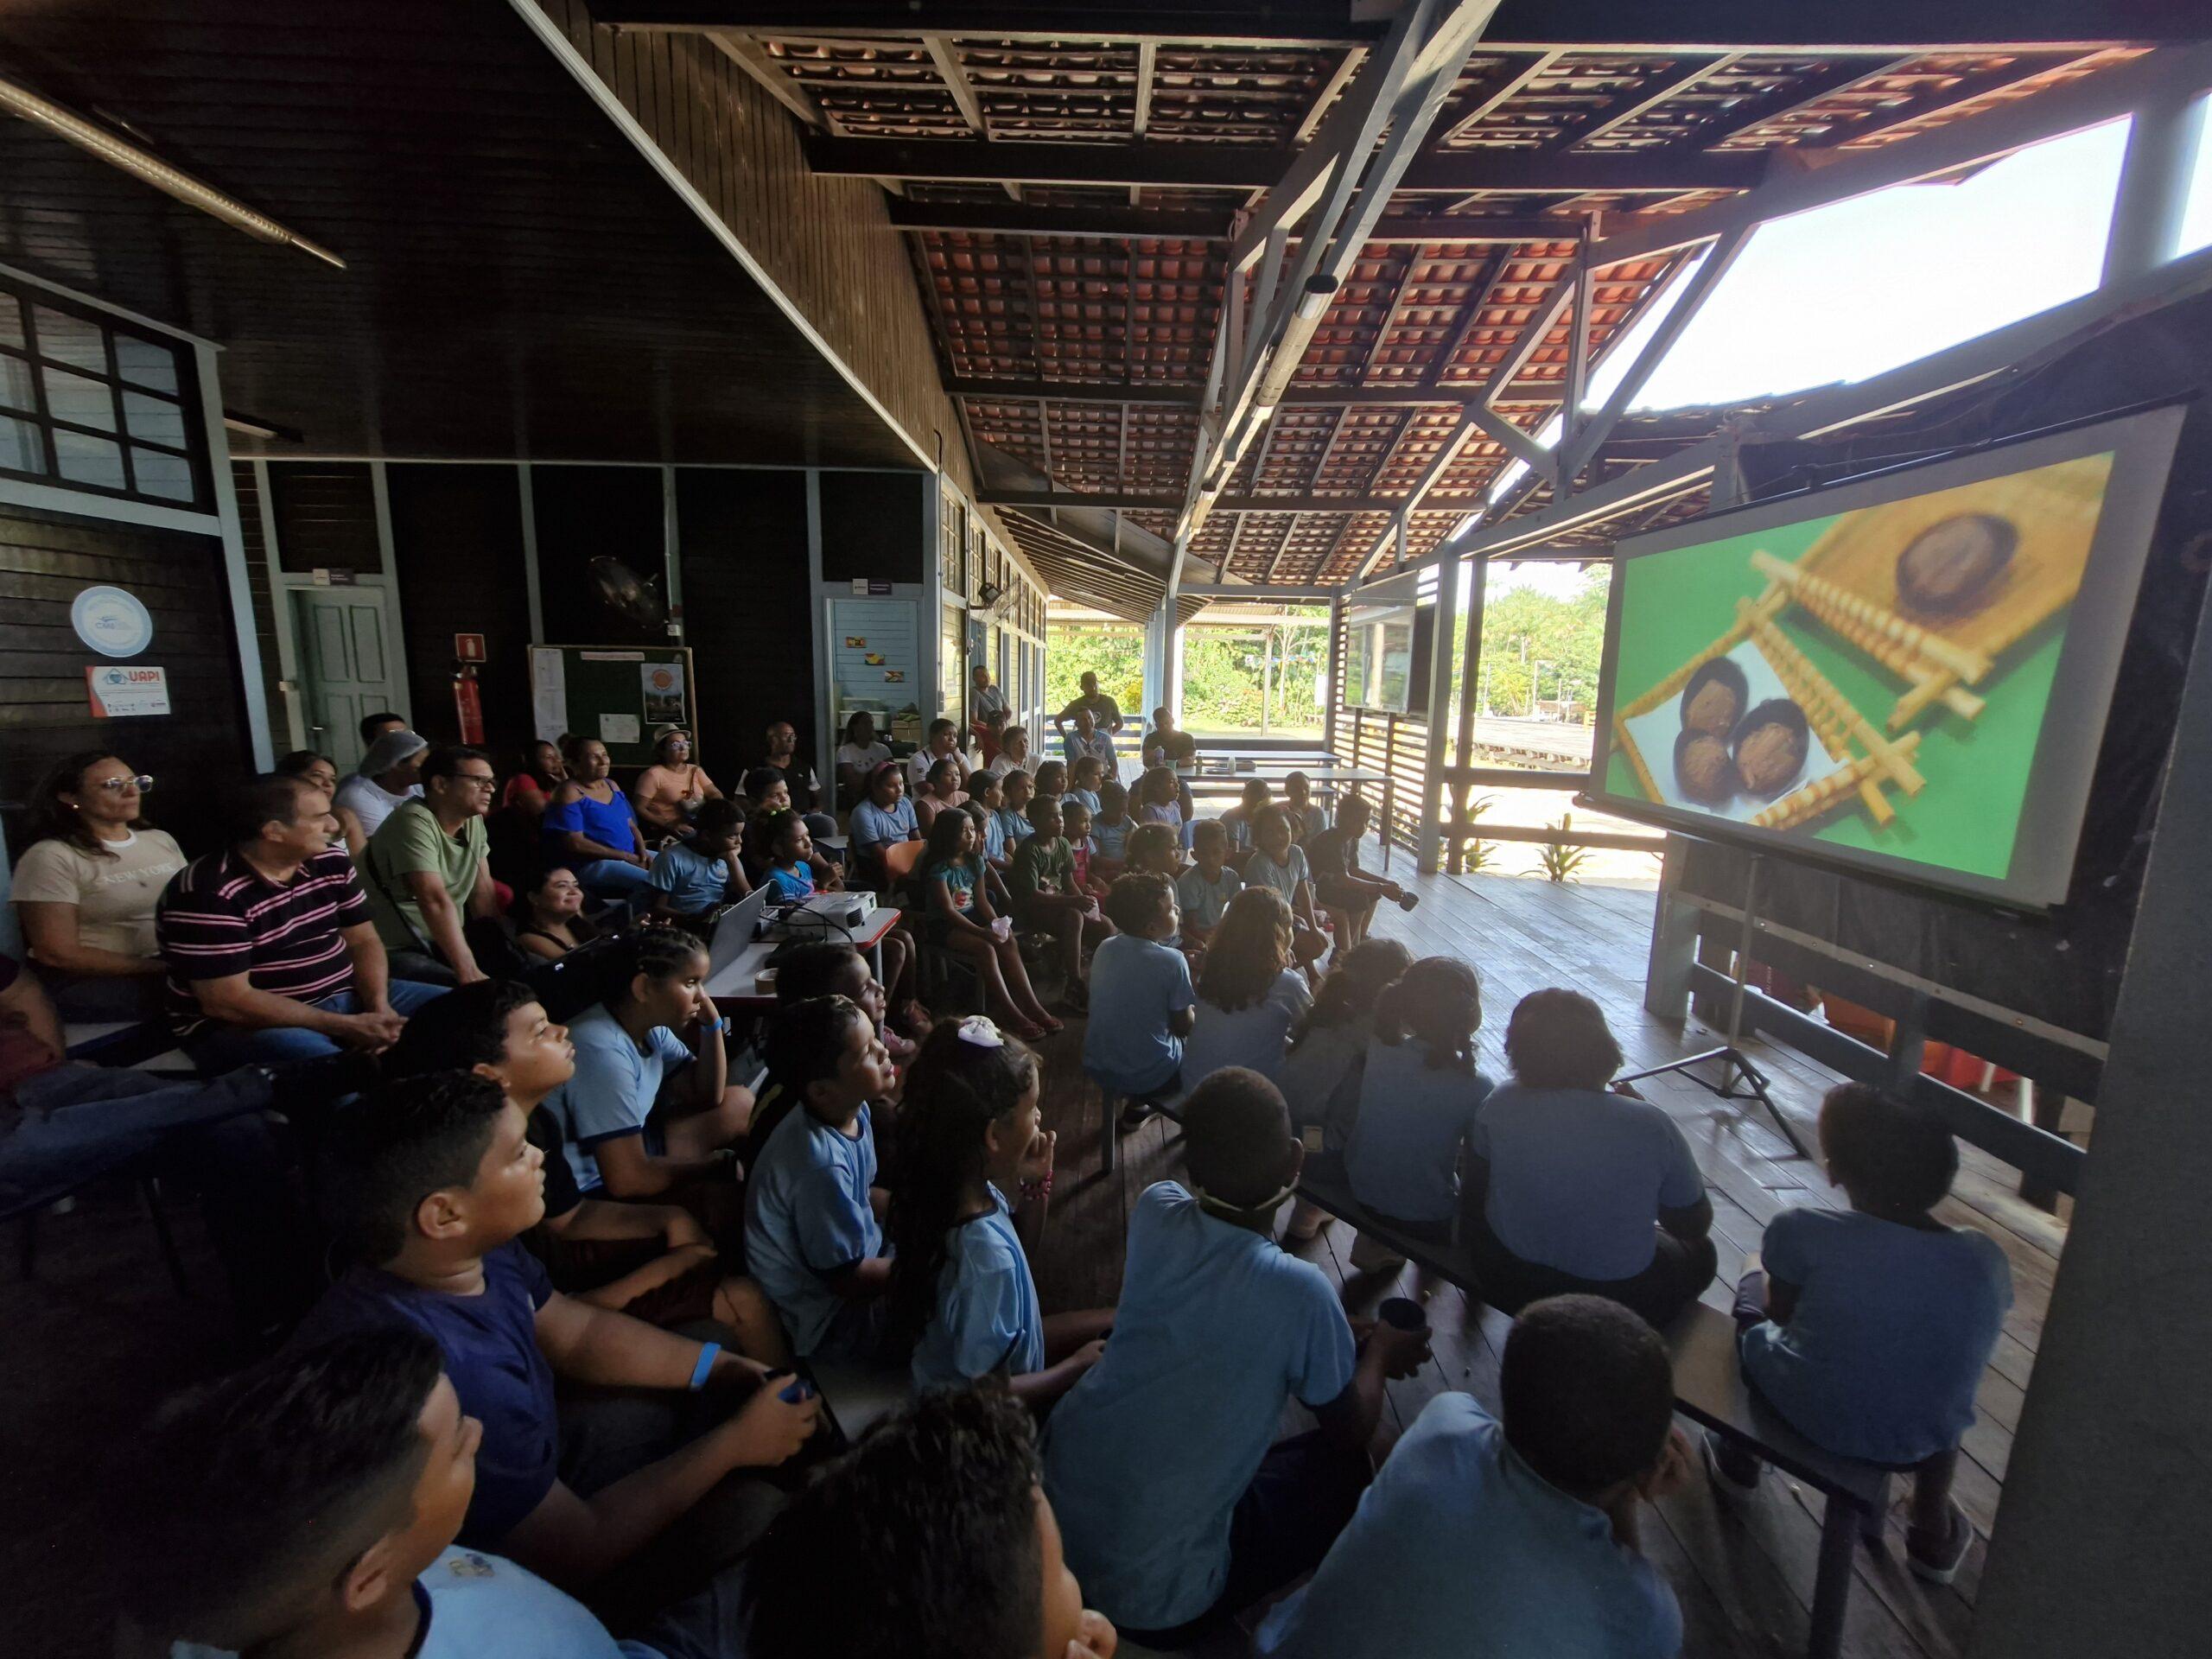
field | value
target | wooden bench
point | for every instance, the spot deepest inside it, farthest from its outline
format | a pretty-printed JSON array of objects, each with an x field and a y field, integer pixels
[{"x": 1709, "y": 1389}]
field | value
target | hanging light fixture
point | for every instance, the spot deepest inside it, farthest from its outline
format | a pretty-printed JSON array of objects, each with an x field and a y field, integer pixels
[{"x": 151, "y": 169}]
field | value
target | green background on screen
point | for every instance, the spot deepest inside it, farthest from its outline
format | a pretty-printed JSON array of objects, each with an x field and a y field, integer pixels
[{"x": 1674, "y": 604}]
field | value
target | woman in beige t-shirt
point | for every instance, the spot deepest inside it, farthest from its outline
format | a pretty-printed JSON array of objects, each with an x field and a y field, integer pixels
[{"x": 86, "y": 886}]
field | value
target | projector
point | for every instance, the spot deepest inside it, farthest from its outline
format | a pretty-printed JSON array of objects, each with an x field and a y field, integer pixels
[{"x": 830, "y": 916}]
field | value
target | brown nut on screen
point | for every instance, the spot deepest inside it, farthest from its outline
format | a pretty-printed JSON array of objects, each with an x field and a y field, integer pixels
[
  {"x": 1952, "y": 567},
  {"x": 1770, "y": 747}
]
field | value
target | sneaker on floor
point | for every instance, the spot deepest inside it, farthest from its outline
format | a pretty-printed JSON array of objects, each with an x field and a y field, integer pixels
[
  {"x": 1368, "y": 1256},
  {"x": 1718, "y": 1454},
  {"x": 1943, "y": 1570},
  {"x": 1137, "y": 1113}
]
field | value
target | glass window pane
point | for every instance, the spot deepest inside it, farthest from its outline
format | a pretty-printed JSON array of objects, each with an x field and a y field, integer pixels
[
  {"x": 89, "y": 460},
  {"x": 73, "y": 398},
  {"x": 70, "y": 340},
  {"x": 15, "y": 389},
  {"x": 21, "y": 448},
  {"x": 144, "y": 363},
  {"x": 12, "y": 321},
  {"x": 169, "y": 476},
  {"x": 155, "y": 419}
]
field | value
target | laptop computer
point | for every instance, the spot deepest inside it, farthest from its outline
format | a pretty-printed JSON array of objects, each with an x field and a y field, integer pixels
[{"x": 734, "y": 930}]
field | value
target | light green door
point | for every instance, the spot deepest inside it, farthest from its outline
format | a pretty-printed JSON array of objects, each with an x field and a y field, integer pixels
[{"x": 345, "y": 670}]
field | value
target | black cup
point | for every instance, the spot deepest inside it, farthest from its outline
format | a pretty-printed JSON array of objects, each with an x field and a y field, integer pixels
[{"x": 1403, "y": 1313}]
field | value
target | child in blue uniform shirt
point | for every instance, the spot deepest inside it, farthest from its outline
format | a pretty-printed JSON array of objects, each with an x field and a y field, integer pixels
[
  {"x": 790, "y": 868},
  {"x": 1110, "y": 828},
  {"x": 1203, "y": 891},
  {"x": 961, "y": 1299},
  {"x": 1086, "y": 774},
  {"x": 691, "y": 877},
  {"x": 1178, "y": 1510},
  {"x": 985, "y": 795},
  {"x": 1417, "y": 1102},
  {"x": 1142, "y": 1002},
  {"x": 1017, "y": 788},
  {"x": 1869, "y": 1329},
  {"x": 813, "y": 1228},
  {"x": 1489, "y": 1539}
]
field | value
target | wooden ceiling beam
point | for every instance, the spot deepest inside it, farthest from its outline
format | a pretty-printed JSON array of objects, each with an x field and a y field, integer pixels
[
  {"x": 1190, "y": 394},
  {"x": 1190, "y": 224}
]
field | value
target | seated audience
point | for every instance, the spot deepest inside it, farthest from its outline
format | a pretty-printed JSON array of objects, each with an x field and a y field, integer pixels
[
  {"x": 881, "y": 821},
  {"x": 942, "y": 743},
  {"x": 64, "y": 1122},
  {"x": 1308, "y": 816},
  {"x": 668, "y": 793},
  {"x": 1110, "y": 828},
  {"x": 813, "y": 1218},
  {"x": 790, "y": 872},
  {"x": 993, "y": 730},
  {"x": 431, "y": 1188},
  {"x": 1345, "y": 890},
  {"x": 1322, "y": 1074},
  {"x": 1868, "y": 1330},
  {"x": 961, "y": 917},
  {"x": 1013, "y": 753},
  {"x": 690, "y": 878},
  {"x": 1483, "y": 1539},
  {"x": 1141, "y": 999},
  {"x": 940, "y": 791},
  {"x": 380, "y": 724},
  {"x": 1052, "y": 779},
  {"x": 1156, "y": 799},
  {"x": 86, "y": 888},
  {"x": 767, "y": 789},
  {"x": 961, "y": 1301},
  {"x": 857, "y": 759},
  {"x": 653, "y": 1260},
  {"x": 1251, "y": 992},
  {"x": 1165, "y": 746},
  {"x": 1046, "y": 897},
  {"x": 309, "y": 1507},
  {"x": 802, "y": 789},
  {"x": 986, "y": 799},
  {"x": 1179, "y": 1508},
  {"x": 532, "y": 790},
  {"x": 1252, "y": 800},
  {"x": 1573, "y": 1187},
  {"x": 819, "y": 968},
  {"x": 271, "y": 951},
  {"x": 1075, "y": 824},
  {"x": 306, "y": 765},
  {"x": 591, "y": 829},
  {"x": 426, "y": 871},
  {"x": 984, "y": 699},
  {"x": 1418, "y": 1098},
  {"x": 1152, "y": 851},
  {"x": 1278, "y": 862},
  {"x": 1204, "y": 890},
  {"x": 391, "y": 773},
  {"x": 941, "y": 1500},
  {"x": 549, "y": 914},
  {"x": 1016, "y": 790},
  {"x": 1086, "y": 776},
  {"x": 1087, "y": 741},
  {"x": 652, "y": 1108}
]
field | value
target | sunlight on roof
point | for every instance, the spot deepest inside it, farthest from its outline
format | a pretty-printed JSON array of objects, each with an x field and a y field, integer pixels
[{"x": 1845, "y": 291}]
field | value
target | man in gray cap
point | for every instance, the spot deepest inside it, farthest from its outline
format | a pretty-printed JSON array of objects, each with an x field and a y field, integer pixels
[{"x": 390, "y": 773}]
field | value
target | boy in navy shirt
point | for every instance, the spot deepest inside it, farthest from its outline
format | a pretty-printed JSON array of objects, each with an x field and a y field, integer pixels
[
  {"x": 689, "y": 878},
  {"x": 1487, "y": 1540},
  {"x": 1178, "y": 1510},
  {"x": 309, "y": 1508},
  {"x": 1869, "y": 1329},
  {"x": 431, "y": 1187}
]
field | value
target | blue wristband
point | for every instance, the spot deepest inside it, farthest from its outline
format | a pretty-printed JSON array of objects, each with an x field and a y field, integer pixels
[{"x": 708, "y": 1354}]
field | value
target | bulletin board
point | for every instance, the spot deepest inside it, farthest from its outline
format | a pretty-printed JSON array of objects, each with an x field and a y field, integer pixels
[
  {"x": 876, "y": 662},
  {"x": 616, "y": 694}
]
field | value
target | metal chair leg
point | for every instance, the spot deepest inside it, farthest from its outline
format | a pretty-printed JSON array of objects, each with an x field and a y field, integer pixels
[
  {"x": 1840, "y": 1531},
  {"x": 1110, "y": 1134},
  {"x": 150, "y": 1189}
]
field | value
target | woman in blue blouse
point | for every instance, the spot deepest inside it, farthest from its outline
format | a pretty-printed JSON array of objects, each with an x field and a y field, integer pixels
[{"x": 590, "y": 826}]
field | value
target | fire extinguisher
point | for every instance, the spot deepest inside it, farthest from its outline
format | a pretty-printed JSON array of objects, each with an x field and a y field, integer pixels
[{"x": 469, "y": 705}]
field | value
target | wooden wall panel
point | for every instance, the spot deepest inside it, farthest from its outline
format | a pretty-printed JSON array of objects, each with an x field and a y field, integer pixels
[
  {"x": 872, "y": 525},
  {"x": 196, "y": 752},
  {"x": 584, "y": 512},
  {"x": 456, "y": 534},
  {"x": 748, "y": 607},
  {"x": 326, "y": 517}
]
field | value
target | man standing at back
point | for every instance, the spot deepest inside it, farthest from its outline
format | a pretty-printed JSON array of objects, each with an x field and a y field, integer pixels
[
  {"x": 1105, "y": 713},
  {"x": 426, "y": 871}
]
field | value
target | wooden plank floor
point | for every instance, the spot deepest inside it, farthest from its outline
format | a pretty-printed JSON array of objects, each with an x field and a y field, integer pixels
[{"x": 1744, "y": 1573}]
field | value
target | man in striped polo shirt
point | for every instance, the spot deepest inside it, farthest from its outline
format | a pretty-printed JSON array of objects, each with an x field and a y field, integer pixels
[{"x": 272, "y": 954}]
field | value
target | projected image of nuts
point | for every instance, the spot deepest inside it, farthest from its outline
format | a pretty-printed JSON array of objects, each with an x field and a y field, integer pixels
[
  {"x": 1771, "y": 746},
  {"x": 1953, "y": 567},
  {"x": 1715, "y": 698},
  {"x": 1704, "y": 769}
]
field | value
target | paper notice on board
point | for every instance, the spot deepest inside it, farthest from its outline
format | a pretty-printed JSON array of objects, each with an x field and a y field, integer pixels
[
  {"x": 618, "y": 728},
  {"x": 548, "y": 696}
]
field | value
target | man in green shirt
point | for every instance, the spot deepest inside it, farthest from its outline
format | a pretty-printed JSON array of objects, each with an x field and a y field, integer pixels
[
  {"x": 1046, "y": 897},
  {"x": 425, "y": 870}
]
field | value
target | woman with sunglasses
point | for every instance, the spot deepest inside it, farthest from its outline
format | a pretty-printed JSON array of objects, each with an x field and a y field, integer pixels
[{"x": 86, "y": 888}]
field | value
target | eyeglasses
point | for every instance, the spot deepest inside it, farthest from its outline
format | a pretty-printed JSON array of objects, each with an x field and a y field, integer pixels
[
  {"x": 142, "y": 783},
  {"x": 483, "y": 780}
]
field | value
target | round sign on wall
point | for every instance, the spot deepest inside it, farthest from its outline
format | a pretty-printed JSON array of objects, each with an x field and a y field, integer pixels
[{"x": 112, "y": 622}]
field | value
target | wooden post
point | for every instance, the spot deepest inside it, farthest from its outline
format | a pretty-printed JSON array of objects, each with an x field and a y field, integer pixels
[
  {"x": 1429, "y": 832},
  {"x": 1469, "y": 680}
]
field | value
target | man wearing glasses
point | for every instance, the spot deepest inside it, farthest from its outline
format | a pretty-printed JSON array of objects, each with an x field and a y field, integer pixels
[{"x": 426, "y": 874}]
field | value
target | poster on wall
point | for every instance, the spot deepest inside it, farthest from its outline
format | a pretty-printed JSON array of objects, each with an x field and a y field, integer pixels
[
  {"x": 112, "y": 621},
  {"x": 117, "y": 692},
  {"x": 663, "y": 684},
  {"x": 548, "y": 694}
]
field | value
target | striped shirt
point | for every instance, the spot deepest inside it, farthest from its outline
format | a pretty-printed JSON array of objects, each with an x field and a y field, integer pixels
[{"x": 221, "y": 917}]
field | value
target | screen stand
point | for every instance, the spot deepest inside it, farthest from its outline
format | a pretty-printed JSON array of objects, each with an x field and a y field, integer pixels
[{"x": 1739, "y": 1080}]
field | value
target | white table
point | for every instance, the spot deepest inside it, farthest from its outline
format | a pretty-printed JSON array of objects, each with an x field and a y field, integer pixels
[{"x": 733, "y": 986}]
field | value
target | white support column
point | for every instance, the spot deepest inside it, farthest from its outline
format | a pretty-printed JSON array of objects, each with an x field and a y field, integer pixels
[
  {"x": 280, "y": 609},
  {"x": 395, "y": 619},
  {"x": 826, "y": 736},
  {"x": 227, "y": 511},
  {"x": 671, "y": 558},
  {"x": 2163, "y": 141},
  {"x": 1429, "y": 840},
  {"x": 535, "y": 592}
]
